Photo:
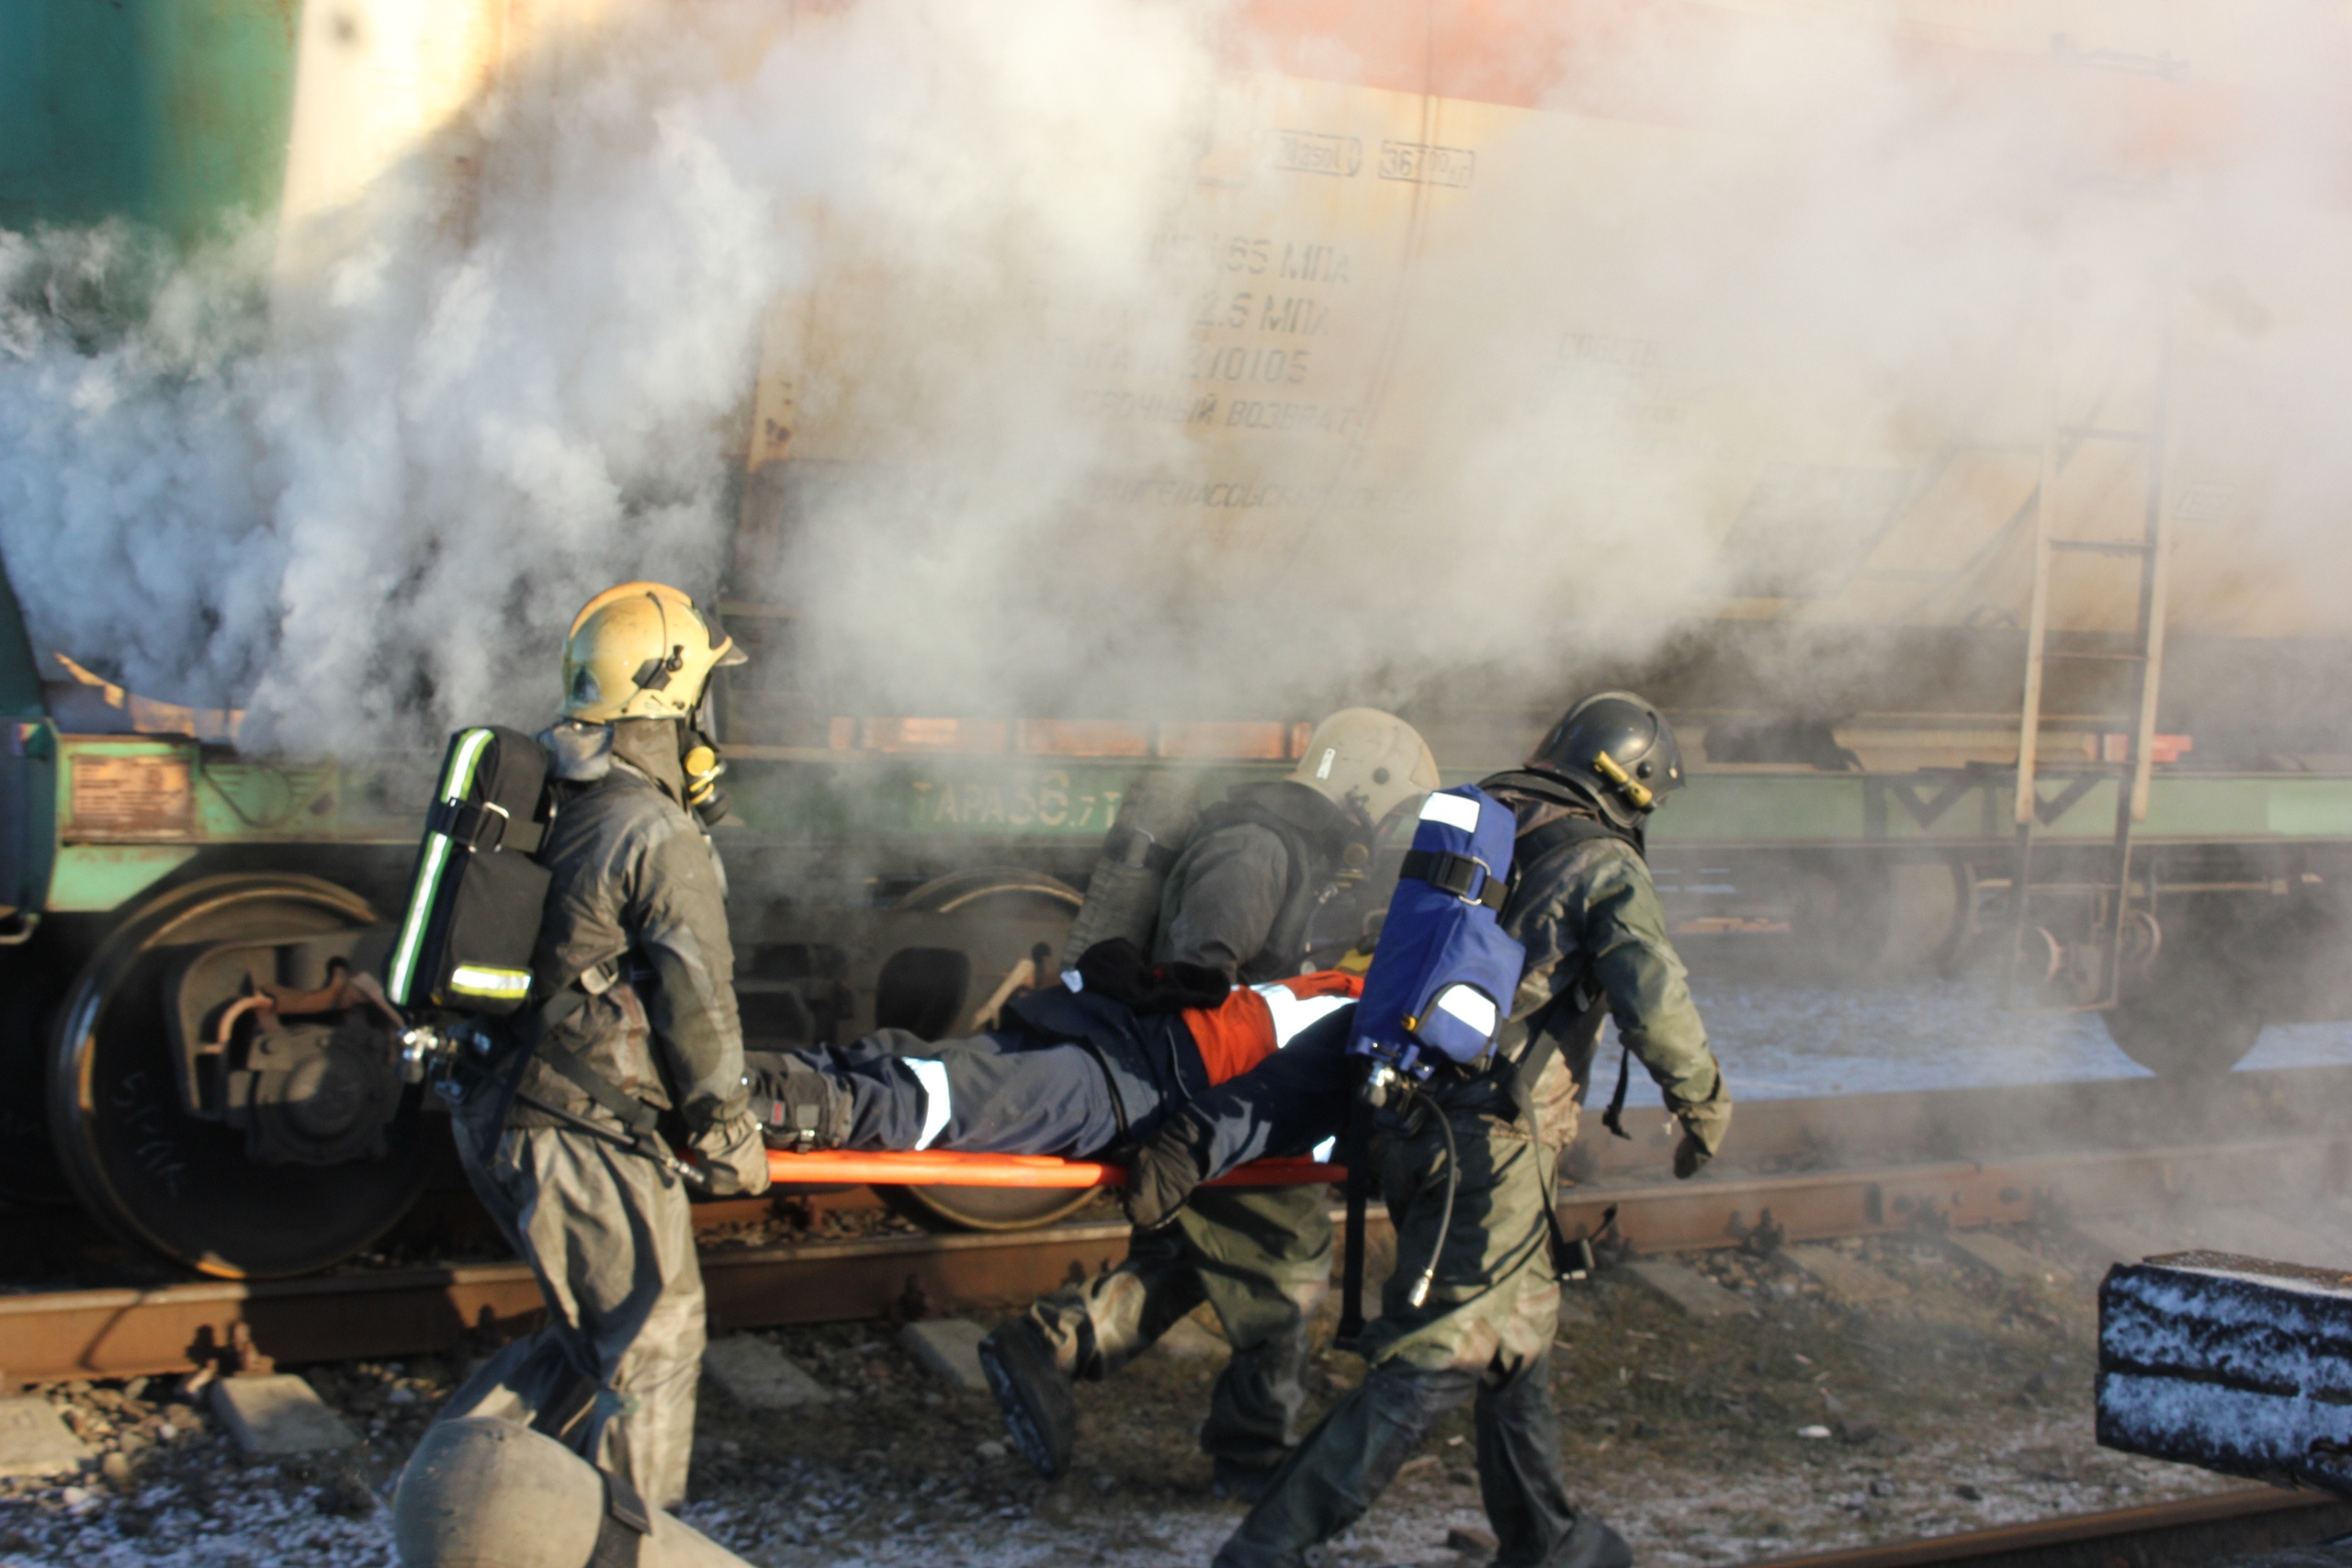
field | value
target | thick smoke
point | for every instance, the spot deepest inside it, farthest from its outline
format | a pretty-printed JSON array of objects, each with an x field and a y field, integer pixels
[{"x": 1796, "y": 274}]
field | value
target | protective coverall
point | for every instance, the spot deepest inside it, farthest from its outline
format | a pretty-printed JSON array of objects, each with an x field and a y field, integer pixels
[
  {"x": 1260, "y": 903},
  {"x": 635, "y": 919},
  {"x": 1589, "y": 916}
]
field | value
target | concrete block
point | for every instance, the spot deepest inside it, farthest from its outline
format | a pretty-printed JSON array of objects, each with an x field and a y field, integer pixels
[
  {"x": 35, "y": 1440},
  {"x": 758, "y": 1376},
  {"x": 2236, "y": 1364},
  {"x": 2121, "y": 1241},
  {"x": 1687, "y": 1290},
  {"x": 948, "y": 1349},
  {"x": 1843, "y": 1279},
  {"x": 2001, "y": 1258},
  {"x": 278, "y": 1414}
]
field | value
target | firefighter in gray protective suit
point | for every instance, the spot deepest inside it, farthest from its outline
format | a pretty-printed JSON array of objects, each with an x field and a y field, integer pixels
[
  {"x": 632, "y": 1020},
  {"x": 1252, "y": 894},
  {"x": 1583, "y": 906}
]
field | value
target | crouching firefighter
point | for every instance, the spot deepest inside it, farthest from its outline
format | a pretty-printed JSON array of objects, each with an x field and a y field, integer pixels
[
  {"x": 1466, "y": 1135},
  {"x": 1267, "y": 884},
  {"x": 570, "y": 912}
]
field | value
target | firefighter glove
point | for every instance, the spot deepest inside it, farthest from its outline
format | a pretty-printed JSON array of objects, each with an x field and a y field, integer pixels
[
  {"x": 1165, "y": 1170},
  {"x": 735, "y": 1157},
  {"x": 1704, "y": 1122}
]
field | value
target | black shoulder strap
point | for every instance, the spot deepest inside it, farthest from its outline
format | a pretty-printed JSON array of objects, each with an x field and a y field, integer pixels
[
  {"x": 1270, "y": 807},
  {"x": 1357, "y": 1153},
  {"x": 624, "y": 1526}
]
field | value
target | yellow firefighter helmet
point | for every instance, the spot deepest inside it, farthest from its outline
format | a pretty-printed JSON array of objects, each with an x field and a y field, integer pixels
[
  {"x": 640, "y": 650},
  {"x": 1369, "y": 760}
]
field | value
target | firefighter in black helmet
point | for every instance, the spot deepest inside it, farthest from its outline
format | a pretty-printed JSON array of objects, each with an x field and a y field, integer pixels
[{"x": 1582, "y": 904}]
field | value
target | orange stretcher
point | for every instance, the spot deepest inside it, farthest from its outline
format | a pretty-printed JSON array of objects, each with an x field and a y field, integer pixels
[{"x": 942, "y": 1168}]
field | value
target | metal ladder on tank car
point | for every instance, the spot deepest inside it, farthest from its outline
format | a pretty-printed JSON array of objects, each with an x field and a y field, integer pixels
[{"x": 2143, "y": 661}]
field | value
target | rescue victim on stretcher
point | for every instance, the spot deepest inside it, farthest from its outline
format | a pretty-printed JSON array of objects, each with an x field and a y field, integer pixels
[{"x": 1079, "y": 1068}]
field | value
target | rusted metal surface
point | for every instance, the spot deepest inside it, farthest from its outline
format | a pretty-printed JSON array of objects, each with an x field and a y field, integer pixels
[
  {"x": 1814, "y": 1206},
  {"x": 764, "y": 1287},
  {"x": 2191, "y": 1533},
  {"x": 126, "y": 1333}
]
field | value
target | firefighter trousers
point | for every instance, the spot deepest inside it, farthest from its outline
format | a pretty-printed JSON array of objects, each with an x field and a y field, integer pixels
[
  {"x": 606, "y": 1232},
  {"x": 1261, "y": 1259}
]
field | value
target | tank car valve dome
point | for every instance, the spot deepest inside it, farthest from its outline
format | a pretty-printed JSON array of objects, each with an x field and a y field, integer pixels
[
  {"x": 1616, "y": 749},
  {"x": 640, "y": 650},
  {"x": 1364, "y": 760}
]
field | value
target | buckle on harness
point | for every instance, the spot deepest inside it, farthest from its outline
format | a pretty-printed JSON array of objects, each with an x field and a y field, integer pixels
[
  {"x": 472, "y": 824},
  {"x": 1465, "y": 876},
  {"x": 801, "y": 1127},
  {"x": 1130, "y": 846}
]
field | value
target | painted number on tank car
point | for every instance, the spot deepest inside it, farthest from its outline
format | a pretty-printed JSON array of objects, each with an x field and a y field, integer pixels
[
  {"x": 1428, "y": 165},
  {"x": 1047, "y": 800},
  {"x": 1295, "y": 262}
]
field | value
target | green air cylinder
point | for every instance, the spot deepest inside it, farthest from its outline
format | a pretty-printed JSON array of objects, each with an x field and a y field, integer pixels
[
  {"x": 171, "y": 113},
  {"x": 1156, "y": 816}
]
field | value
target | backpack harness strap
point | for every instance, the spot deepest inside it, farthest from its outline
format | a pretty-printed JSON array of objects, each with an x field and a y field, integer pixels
[
  {"x": 483, "y": 825},
  {"x": 1356, "y": 1149},
  {"x": 1465, "y": 876},
  {"x": 622, "y": 1529},
  {"x": 1532, "y": 849},
  {"x": 1130, "y": 846}
]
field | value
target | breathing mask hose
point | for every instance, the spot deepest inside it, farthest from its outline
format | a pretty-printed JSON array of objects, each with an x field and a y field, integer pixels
[{"x": 1421, "y": 1292}]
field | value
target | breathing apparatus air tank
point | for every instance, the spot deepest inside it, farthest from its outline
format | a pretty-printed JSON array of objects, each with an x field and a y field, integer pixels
[
  {"x": 1156, "y": 816},
  {"x": 481, "y": 1493}
]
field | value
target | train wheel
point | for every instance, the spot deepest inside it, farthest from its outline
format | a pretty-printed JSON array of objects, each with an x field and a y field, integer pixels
[
  {"x": 183, "y": 1187},
  {"x": 990, "y": 920},
  {"x": 2186, "y": 1017}
]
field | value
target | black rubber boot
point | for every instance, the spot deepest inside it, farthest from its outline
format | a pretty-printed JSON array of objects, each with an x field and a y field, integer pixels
[
  {"x": 1039, "y": 1415},
  {"x": 1243, "y": 1484},
  {"x": 799, "y": 1108},
  {"x": 1591, "y": 1544}
]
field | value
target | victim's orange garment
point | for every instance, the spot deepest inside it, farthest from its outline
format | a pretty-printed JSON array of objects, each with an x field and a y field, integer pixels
[{"x": 1249, "y": 1026}]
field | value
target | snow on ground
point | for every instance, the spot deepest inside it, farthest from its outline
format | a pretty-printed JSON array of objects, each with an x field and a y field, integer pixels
[
  {"x": 1966, "y": 1403},
  {"x": 1782, "y": 1039}
]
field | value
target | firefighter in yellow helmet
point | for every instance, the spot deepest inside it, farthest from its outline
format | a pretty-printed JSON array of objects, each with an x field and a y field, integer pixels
[{"x": 632, "y": 1017}]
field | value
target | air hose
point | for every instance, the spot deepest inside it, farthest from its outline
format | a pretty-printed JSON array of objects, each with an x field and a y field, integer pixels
[{"x": 1420, "y": 1291}]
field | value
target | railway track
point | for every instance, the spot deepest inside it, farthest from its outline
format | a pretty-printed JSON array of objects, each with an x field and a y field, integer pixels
[
  {"x": 2189, "y": 1533},
  {"x": 1854, "y": 1166}
]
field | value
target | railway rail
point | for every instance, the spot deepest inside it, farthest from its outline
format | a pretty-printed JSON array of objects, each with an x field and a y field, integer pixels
[
  {"x": 2190, "y": 1532},
  {"x": 1846, "y": 1166}
]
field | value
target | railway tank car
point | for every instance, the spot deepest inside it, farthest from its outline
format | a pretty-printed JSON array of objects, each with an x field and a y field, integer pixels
[{"x": 2082, "y": 596}]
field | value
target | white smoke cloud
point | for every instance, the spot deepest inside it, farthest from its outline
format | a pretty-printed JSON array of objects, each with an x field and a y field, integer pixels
[{"x": 369, "y": 510}]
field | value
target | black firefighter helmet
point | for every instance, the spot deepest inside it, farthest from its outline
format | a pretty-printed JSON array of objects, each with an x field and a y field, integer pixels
[{"x": 1616, "y": 749}]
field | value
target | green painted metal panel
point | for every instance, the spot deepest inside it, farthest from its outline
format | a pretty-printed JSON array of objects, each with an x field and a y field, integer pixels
[
  {"x": 2187, "y": 806},
  {"x": 2309, "y": 808},
  {"x": 839, "y": 803},
  {"x": 91, "y": 878},
  {"x": 1737, "y": 808},
  {"x": 173, "y": 113}
]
